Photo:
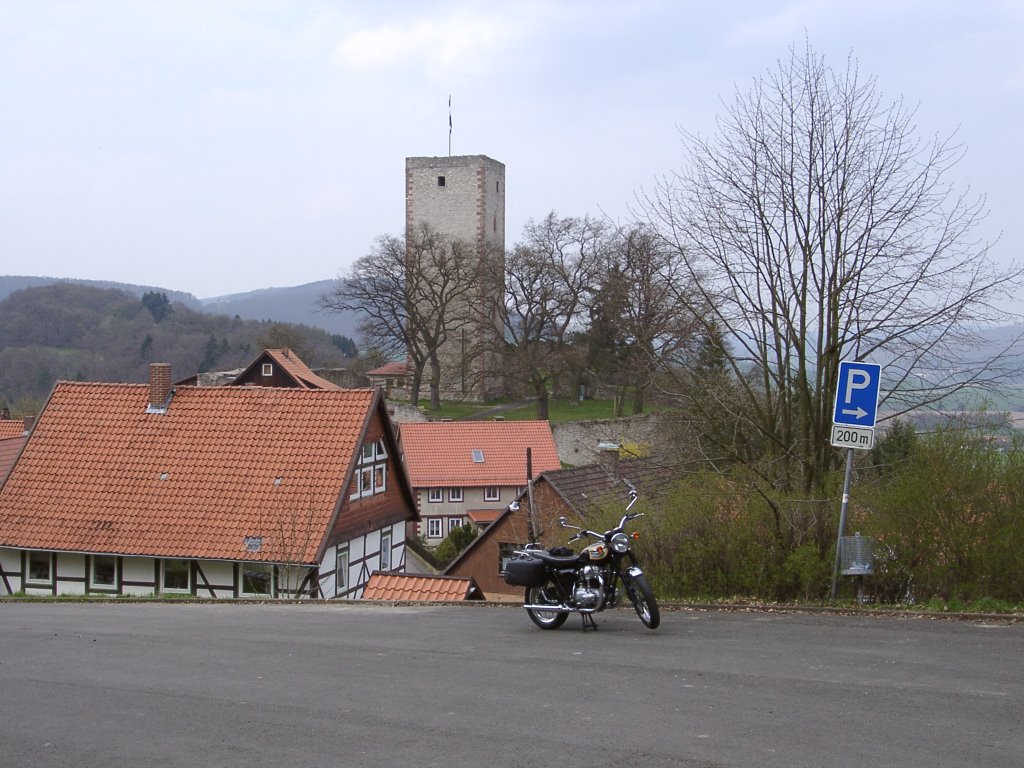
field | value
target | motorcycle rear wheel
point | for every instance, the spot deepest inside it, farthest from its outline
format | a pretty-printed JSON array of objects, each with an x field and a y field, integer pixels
[
  {"x": 546, "y": 594},
  {"x": 642, "y": 597}
]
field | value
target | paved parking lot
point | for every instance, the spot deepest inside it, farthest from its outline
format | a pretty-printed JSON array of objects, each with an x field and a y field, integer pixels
[{"x": 356, "y": 685}]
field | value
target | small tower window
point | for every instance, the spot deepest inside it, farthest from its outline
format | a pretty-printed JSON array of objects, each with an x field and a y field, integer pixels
[{"x": 440, "y": 181}]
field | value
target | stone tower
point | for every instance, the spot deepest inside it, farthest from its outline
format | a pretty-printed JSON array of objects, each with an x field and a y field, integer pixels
[{"x": 463, "y": 197}]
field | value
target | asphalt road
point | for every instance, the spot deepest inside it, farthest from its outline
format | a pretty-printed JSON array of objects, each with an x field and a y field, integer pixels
[{"x": 106, "y": 685}]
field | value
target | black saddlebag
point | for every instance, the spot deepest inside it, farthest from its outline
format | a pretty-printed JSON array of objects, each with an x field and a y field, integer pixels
[{"x": 525, "y": 572}]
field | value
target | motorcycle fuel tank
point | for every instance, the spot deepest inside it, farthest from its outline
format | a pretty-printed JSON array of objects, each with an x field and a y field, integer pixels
[{"x": 596, "y": 552}]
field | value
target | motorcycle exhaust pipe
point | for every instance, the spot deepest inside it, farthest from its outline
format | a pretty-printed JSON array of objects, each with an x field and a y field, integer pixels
[
  {"x": 551, "y": 608},
  {"x": 558, "y": 609}
]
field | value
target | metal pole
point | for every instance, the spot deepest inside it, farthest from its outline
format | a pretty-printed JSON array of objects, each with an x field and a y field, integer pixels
[
  {"x": 842, "y": 519},
  {"x": 531, "y": 525}
]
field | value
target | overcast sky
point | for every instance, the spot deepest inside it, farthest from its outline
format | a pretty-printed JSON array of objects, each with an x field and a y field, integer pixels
[{"x": 218, "y": 147}]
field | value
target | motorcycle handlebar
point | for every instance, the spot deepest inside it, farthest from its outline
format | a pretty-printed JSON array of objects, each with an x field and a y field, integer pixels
[{"x": 585, "y": 532}]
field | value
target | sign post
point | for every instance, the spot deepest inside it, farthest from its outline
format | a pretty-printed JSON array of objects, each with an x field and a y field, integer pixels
[{"x": 853, "y": 428}]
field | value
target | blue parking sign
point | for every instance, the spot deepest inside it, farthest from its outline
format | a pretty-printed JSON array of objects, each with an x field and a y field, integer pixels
[{"x": 857, "y": 394}]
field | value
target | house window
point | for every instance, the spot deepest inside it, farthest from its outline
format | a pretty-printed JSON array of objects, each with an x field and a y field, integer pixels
[
  {"x": 257, "y": 580},
  {"x": 385, "y": 551},
  {"x": 268, "y": 369},
  {"x": 40, "y": 568},
  {"x": 435, "y": 495},
  {"x": 103, "y": 571},
  {"x": 478, "y": 456},
  {"x": 372, "y": 471},
  {"x": 453, "y": 523},
  {"x": 341, "y": 572},
  {"x": 454, "y": 494},
  {"x": 492, "y": 493},
  {"x": 440, "y": 181},
  {"x": 175, "y": 576},
  {"x": 434, "y": 528}
]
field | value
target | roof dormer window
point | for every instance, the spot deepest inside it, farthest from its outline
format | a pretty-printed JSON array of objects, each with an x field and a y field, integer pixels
[{"x": 478, "y": 456}]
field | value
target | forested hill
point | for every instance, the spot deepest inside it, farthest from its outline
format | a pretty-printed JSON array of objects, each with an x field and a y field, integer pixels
[
  {"x": 11, "y": 283},
  {"x": 79, "y": 332}
]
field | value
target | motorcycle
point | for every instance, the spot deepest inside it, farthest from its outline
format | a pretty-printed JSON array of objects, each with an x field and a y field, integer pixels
[{"x": 561, "y": 581}]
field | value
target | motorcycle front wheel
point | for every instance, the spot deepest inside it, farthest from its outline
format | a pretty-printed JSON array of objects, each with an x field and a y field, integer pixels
[
  {"x": 642, "y": 597},
  {"x": 546, "y": 594}
]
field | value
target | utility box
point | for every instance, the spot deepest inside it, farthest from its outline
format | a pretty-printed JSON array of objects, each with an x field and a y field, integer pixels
[{"x": 857, "y": 556}]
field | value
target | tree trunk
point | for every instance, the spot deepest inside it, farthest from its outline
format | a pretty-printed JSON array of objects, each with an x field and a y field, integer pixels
[
  {"x": 435, "y": 383},
  {"x": 542, "y": 402},
  {"x": 417, "y": 382}
]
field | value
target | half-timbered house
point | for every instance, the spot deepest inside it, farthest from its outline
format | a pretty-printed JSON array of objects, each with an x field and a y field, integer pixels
[
  {"x": 469, "y": 471},
  {"x": 129, "y": 489}
]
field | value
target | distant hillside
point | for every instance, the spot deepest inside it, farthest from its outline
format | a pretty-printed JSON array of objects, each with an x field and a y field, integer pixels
[
  {"x": 69, "y": 330},
  {"x": 11, "y": 283},
  {"x": 298, "y": 304}
]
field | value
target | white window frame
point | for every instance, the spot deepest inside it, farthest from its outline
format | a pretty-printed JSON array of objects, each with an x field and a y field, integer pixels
[
  {"x": 371, "y": 470},
  {"x": 95, "y": 585},
  {"x": 492, "y": 493},
  {"x": 385, "y": 551},
  {"x": 435, "y": 495},
  {"x": 453, "y": 523},
  {"x": 187, "y": 590},
  {"x": 266, "y": 567},
  {"x": 37, "y": 582},
  {"x": 455, "y": 494},
  {"x": 268, "y": 369},
  {"x": 341, "y": 571},
  {"x": 431, "y": 522}
]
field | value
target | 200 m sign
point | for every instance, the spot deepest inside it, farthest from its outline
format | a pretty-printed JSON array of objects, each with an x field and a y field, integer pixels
[{"x": 853, "y": 437}]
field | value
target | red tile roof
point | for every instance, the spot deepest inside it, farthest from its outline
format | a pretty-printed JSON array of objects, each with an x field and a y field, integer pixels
[
  {"x": 484, "y": 515},
  {"x": 11, "y": 428},
  {"x": 99, "y": 474},
  {"x": 440, "y": 453},
  {"x": 403, "y": 586},
  {"x": 390, "y": 369},
  {"x": 9, "y": 447}
]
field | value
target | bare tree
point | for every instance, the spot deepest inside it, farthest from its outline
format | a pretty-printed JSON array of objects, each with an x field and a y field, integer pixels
[
  {"x": 415, "y": 293},
  {"x": 818, "y": 227},
  {"x": 641, "y": 309},
  {"x": 548, "y": 279}
]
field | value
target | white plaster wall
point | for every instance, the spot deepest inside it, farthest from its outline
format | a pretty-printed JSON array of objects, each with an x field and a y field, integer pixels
[
  {"x": 10, "y": 562},
  {"x": 327, "y": 579},
  {"x": 218, "y": 573},
  {"x": 70, "y": 566},
  {"x": 138, "y": 569}
]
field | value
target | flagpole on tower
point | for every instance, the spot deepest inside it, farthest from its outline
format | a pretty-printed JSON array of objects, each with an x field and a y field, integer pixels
[{"x": 449, "y": 125}]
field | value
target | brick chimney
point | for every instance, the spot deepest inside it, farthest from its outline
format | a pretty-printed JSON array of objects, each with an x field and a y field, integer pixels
[
  {"x": 159, "y": 387},
  {"x": 30, "y": 421}
]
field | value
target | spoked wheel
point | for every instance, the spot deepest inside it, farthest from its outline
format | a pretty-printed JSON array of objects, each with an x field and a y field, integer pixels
[
  {"x": 545, "y": 595},
  {"x": 643, "y": 600}
]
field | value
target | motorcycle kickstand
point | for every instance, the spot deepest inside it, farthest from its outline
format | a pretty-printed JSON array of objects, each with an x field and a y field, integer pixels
[{"x": 588, "y": 621}]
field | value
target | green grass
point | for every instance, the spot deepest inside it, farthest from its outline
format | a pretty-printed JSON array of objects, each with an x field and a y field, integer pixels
[
  {"x": 564, "y": 411},
  {"x": 559, "y": 411}
]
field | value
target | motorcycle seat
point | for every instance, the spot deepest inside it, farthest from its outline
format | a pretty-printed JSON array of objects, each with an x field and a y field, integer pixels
[{"x": 556, "y": 561}]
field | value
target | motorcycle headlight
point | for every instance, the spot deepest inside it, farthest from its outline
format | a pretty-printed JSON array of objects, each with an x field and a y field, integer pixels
[{"x": 620, "y": 543}]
